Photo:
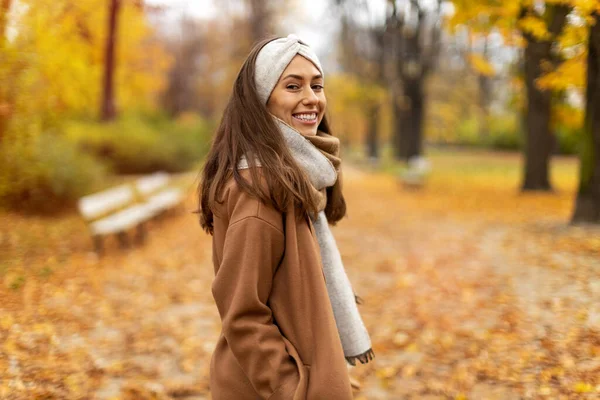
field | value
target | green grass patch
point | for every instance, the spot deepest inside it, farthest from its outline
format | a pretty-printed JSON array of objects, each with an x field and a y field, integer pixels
[{"x": 478, "y": 167}]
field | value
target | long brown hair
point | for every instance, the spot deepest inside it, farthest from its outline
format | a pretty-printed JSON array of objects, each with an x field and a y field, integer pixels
[{"x": 248, "y": 128}]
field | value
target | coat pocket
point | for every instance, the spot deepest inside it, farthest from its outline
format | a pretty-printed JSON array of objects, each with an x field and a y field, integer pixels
[{"x": 303, "y": 370}]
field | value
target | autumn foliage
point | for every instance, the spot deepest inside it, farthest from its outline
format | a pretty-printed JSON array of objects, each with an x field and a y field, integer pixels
[
  {"x": 470, "y": 291},
  {"x": 471, "y": 288}
]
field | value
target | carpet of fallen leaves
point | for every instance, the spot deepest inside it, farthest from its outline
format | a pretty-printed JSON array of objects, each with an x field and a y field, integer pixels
[{"x": 471, "y": 291}]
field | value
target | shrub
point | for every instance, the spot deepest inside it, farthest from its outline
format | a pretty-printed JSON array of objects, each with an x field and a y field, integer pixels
[
  {"x": 45, "y": 173},
  {"x": 135, "y": 144},
  {"x": 568, "y": 140},
  {"x": 504, "y": 133},
  {"x": 468, "y": 132}
]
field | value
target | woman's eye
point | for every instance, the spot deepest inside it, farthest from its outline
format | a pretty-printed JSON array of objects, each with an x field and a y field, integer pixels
[
  {"x": 293, "y": 86},
  {"x": 317, "y": 87}
]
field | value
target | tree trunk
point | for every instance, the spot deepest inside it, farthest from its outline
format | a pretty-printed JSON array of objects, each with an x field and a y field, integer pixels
[
  {"x": 539, "y": 138},
  {"x": 397, "y": 105},
  {"x": 587, "y": 205},
  {"x": 417, "y": 46},
  {"x": 259, "y": 20},
  {"x": 485, "y": 95},
  {"x": 372, "y": 141},
  {"x": 180, "y": 94},
  {"x": 485, "y": 91},
  {"x": 108, "y": 110},
  {"x": 411, "y": 120},
  {"x": 4, "y": 103}
]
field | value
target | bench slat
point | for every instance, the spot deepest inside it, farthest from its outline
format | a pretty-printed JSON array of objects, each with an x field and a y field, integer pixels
[
  {"x": 98, "y": 204},
  {"x": 164, "y": 200},
  {"x": 121, "y": 221},
  {"x": 152, "y": 183}
]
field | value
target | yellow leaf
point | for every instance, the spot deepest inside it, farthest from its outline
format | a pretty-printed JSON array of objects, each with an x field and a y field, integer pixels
[
  {"x": 409, "y": 371},
  {"x": 73, "y": 383},
  {"x": 400, "y": 339},
  {"x": 115, "y": 368},
  {"x": 544, "y": 391},
  {"x": 386, "y": 373},
  {"x": 481, "y": 65},
  {"x": 405, "y": 281},
  {"x": 187, "y": 365},
  {"x": 412, "y": 348},
  {"x": 583, "y": 387},
  {"x": 6, "y": 321},
  {"x": 10, "y": 346},
  {"x": 569, "y": 74},
  {"x": 45, "y": 328},
  {"x": 535, "y": 27}
]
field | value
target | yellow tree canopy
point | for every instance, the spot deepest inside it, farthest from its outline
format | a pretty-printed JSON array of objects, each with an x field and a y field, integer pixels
[
  {"x": 507, "y": 17},
  {"x": 59, "y": 46}
]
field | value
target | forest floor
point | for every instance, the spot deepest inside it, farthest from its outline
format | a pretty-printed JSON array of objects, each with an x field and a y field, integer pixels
[{"x": 471, "y": 290}]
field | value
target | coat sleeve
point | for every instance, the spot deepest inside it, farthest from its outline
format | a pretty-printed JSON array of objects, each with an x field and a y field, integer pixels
[{"x": 252, "y": 250}]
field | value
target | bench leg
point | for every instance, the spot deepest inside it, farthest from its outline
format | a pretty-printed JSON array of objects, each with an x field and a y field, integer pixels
[
  {"x": 123, "y": 242},
  {"x": 98, "y": 247},
  {"x": 141, "y": 233}
]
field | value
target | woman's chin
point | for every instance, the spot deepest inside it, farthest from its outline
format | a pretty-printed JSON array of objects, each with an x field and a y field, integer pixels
[{"x": 306, "y": 130}]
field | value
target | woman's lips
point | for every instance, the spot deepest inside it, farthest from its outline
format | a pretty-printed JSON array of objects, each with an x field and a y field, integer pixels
[{"x": 306, "y": 118}]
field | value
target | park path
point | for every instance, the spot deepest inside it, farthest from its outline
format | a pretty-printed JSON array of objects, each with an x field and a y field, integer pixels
[
  {"x": 457, "y": 304},
  {"x": 462, "y": 301},
  {"x": 469, "y": 303}
]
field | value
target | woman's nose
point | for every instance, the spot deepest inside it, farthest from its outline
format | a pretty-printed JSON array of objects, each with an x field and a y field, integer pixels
[{"x": 310, "y": 97}]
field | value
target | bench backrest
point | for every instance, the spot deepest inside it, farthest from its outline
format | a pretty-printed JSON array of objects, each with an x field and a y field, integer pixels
[
  {"x": 150, "y": 184},
  {"x": 103, "y": 203}
]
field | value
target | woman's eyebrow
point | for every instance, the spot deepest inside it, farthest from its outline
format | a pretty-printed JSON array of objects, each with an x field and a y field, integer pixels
[{"x": 318, "y": 76}]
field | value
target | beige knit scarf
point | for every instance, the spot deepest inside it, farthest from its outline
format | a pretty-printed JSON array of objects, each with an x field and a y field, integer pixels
[{"x": 318, "y": 156}]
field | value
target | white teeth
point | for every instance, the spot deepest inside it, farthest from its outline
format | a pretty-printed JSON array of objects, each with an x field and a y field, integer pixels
[{"x": 306, "y": 117}]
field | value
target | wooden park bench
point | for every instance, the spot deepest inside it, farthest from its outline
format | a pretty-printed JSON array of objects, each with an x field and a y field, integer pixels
[{"x": 127, "y": 206}]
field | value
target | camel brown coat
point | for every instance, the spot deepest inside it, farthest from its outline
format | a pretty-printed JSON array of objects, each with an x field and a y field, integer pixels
[{"x": 279, "y": 340}]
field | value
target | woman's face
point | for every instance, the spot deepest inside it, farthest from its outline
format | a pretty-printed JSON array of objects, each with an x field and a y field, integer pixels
[{"x": 299, "y": 98}]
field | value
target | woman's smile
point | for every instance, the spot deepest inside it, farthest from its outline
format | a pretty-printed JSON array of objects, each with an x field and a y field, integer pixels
[{"x": 306, "y": 118}]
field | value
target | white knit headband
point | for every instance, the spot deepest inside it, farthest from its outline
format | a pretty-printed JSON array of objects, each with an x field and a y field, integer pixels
[{"x": 274, "y": 58}]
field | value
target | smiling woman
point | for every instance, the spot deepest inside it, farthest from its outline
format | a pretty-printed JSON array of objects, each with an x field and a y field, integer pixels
[{"x": 271, "y": 185}]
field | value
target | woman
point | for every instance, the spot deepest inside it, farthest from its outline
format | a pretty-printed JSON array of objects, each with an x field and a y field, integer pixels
[{"x": 270, "y": 186}]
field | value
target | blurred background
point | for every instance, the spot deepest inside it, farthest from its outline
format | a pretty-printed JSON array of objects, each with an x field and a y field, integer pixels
[{"x": 471, "y": 144}]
